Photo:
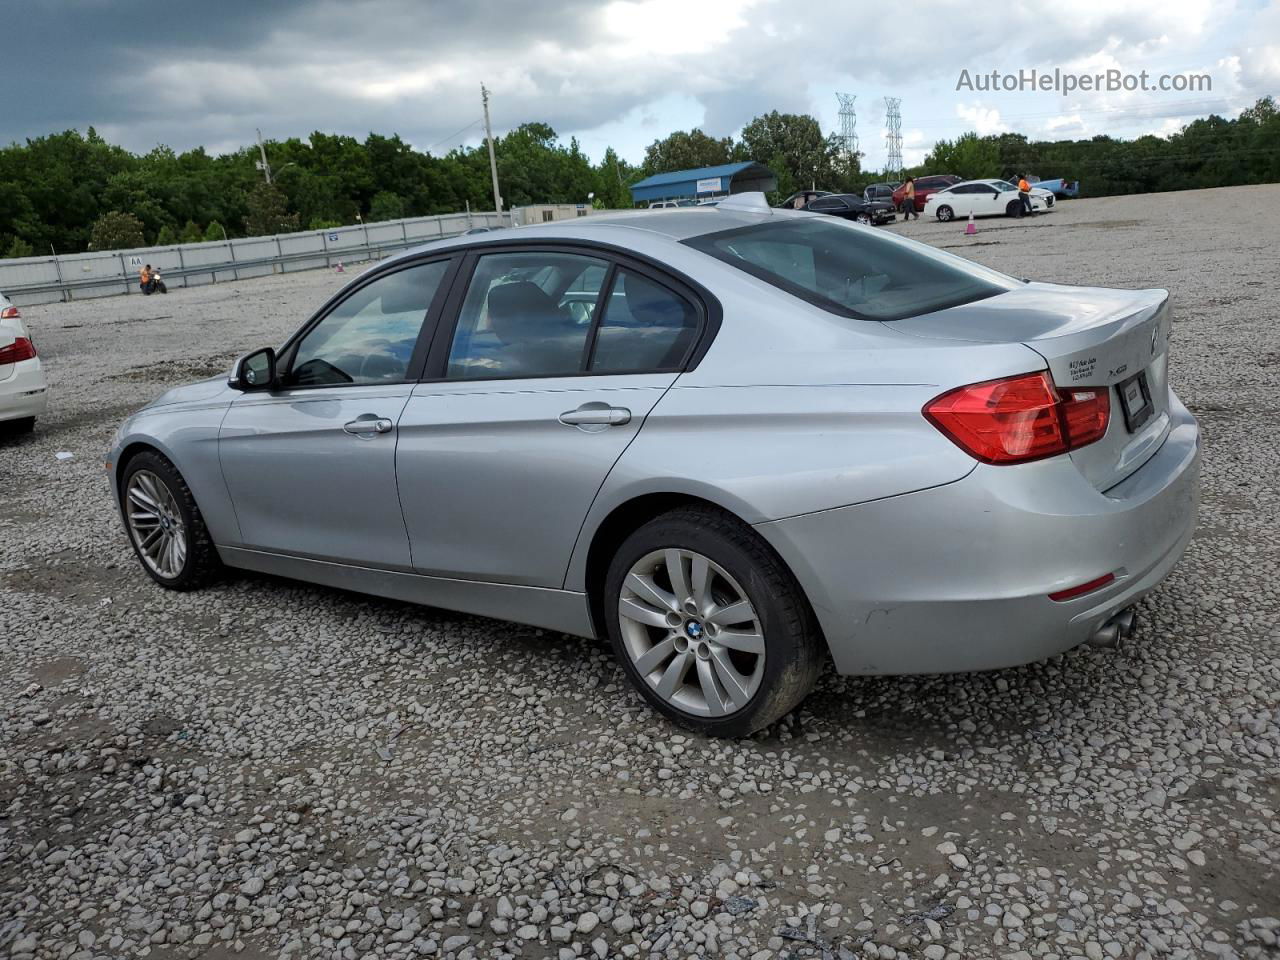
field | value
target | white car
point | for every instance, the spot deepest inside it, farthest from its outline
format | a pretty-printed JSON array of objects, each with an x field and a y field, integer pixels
[
  {"x": 984, "y": 198},
  {"x": 24, "y": 393}
]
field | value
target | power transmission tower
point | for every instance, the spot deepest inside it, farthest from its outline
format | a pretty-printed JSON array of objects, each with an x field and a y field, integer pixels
[
  {"x": 893, "y": 135},
  {"x": 848, "y": 126},
  {"x": 493, "y": 163}
]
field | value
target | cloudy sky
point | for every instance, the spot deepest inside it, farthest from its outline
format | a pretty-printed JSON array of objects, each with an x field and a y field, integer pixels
[{"x": 618, "y": 73}]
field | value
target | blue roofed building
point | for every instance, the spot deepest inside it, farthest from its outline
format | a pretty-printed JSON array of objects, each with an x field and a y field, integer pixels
[{"x": 705, "y": 182}]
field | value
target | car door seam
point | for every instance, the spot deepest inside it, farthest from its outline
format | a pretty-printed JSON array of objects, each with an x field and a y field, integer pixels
[{"x": 573, "y": 552}]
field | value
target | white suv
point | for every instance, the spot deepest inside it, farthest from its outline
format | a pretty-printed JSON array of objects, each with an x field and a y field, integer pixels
[{"x": 24, "y": 393}]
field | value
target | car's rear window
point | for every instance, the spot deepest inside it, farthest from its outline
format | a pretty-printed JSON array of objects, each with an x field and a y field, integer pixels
[{"x": 851, "y": 270}]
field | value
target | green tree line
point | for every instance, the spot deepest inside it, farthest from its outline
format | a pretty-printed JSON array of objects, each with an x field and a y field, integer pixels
[
  {"x": 71, "y": 192},
  {"x": 1209, "y": 152}
]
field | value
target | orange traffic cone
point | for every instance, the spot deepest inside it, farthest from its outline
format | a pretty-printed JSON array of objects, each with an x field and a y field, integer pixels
[
  {"x": 338, "y": 268},
  {"x": 970, "y": 229}
]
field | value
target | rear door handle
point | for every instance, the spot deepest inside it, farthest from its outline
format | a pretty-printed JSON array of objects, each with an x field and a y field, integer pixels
[
  {"x": 596, "y": 415},
  {"x": 368, "y": 425}
]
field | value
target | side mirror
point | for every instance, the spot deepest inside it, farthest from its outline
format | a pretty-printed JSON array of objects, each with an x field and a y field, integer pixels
[{"x": 254, "y": 371}]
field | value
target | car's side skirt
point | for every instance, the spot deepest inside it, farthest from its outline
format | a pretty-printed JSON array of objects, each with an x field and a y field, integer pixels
[{"x": 561, "y": 610}]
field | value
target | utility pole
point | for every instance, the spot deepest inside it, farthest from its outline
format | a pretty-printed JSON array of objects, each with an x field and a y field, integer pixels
[
  {"x": 265, "y": 167},
  {"x": 493, "y": 163}
]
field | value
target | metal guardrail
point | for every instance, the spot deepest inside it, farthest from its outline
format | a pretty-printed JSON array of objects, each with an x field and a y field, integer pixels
[{"x": 34, "y": 280}]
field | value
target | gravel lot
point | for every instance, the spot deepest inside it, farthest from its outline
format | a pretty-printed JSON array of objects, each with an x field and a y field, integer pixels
[{"x": 269, "y": 769}]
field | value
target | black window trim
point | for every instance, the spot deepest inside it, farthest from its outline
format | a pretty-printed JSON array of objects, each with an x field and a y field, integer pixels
[
  {"x": 431, "y": 318},
  {"x": 703, "y": 301},
  {"x": 597, "y": 315}
]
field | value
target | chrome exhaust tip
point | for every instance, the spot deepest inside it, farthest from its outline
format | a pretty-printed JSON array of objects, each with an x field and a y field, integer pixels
[
  {"x": 1106, "y": 637},
  {"x": 1112, "y": 634},
  {"x": 1127, "y": 620}
]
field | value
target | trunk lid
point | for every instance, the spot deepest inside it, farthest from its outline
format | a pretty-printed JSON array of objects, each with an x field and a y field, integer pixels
[{"x": 1089, "y": 337}]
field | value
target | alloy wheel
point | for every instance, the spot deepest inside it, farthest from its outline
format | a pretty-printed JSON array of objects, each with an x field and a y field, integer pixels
[
  {"x": 155, "y": 524},
  {"x": 691, "y": 632}
]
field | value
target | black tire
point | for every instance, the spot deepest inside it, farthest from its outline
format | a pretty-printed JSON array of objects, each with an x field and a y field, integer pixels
[
  {"x": 19, "y": 426},
  {"x": 1013, "y": 208},
  {"x": 864, "y": 218},
  {"x": 945, "y": 213},
  {"x": 202, "y": 565},
  {"x": 794, "y": 648}
]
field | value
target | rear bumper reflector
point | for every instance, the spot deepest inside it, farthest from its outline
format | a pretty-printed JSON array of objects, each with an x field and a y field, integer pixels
[{"x": 1079, "y": 591}]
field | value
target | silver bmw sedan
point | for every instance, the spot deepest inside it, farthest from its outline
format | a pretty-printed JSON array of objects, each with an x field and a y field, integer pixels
[{"x": 736, "y": 441}]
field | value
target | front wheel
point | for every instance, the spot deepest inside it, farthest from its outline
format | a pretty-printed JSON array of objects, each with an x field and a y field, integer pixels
[
  {"x": 1013, "y": 208},
  {"x": 165, "y": 526},
  {"x": 709, "y": 625},
  {"x": 945, "y": 213},
  {"x": 863, "y": 218}
]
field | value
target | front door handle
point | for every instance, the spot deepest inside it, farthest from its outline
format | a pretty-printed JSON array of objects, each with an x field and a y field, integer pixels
[
  {"x": 596, "y": 415},
  {"x": 368, "y": 425}
]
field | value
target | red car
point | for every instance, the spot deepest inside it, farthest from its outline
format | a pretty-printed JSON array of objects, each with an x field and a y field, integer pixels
[{"x": 924, "y": 187}]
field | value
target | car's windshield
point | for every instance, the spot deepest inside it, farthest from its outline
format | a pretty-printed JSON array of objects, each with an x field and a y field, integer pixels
[
  {"x": 1002, "y": 185},
  {"x": 851, "y": 271}
]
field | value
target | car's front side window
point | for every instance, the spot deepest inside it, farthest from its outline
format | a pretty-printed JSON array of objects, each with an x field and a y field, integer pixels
[
  {"x": 369, "y": 337},
  {"x": 526, "y": 315}
]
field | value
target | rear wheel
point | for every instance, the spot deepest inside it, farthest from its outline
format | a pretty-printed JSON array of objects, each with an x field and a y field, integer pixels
[
  {"x": 709, "y": 624},
  {"x": 945, "y": 213},
  {"x": 165, "y": 526}
]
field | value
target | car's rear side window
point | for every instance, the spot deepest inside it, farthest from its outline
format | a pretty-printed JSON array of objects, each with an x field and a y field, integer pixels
[
  {"x": 852, "y": 272},
  {"x": 646, "y": 327}
]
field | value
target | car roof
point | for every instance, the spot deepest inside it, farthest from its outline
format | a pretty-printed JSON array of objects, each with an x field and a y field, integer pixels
[{"x": 673, "y": 223}]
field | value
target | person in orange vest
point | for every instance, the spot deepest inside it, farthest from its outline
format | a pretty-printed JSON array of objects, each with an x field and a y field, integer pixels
[
  {"x": 144, "y": 279},
  {"x": 1024, "y": 194},
  {"x": 909, "y": 201}
]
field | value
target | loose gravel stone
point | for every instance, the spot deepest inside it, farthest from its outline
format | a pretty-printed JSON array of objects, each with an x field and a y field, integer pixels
[{"x": 271, "y": 769}]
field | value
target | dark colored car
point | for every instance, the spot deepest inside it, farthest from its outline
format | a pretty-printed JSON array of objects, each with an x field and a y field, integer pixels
[
  {"x": 850, "y": 206},
  {"x": 802, "y": 198},
  {"x": 880, "y": 191},
  {"x": 925, "y": 187}
]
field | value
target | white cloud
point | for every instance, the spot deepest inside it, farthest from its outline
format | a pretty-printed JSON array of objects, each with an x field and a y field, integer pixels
[
  {"x": 983, "y": 120},
  {"x": 626, "y": 71}
]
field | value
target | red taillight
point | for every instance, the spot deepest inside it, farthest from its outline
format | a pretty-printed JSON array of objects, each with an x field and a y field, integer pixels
[
  {"x": 1079, "y": 591},
  {"x": 10, "y": 313},
  {"x": 1085, "y": 412},
  {"x": 20, "y": 349},
  {"x": 1018, "y": 419}
]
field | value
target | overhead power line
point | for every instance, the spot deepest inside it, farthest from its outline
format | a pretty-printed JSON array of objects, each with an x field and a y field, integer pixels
[{"x": 450, "y": 137}]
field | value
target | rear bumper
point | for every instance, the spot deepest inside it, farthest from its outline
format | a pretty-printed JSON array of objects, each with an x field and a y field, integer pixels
[
  {"x": 958, "y": 577},
  {"x": 24, "y": 393}
]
